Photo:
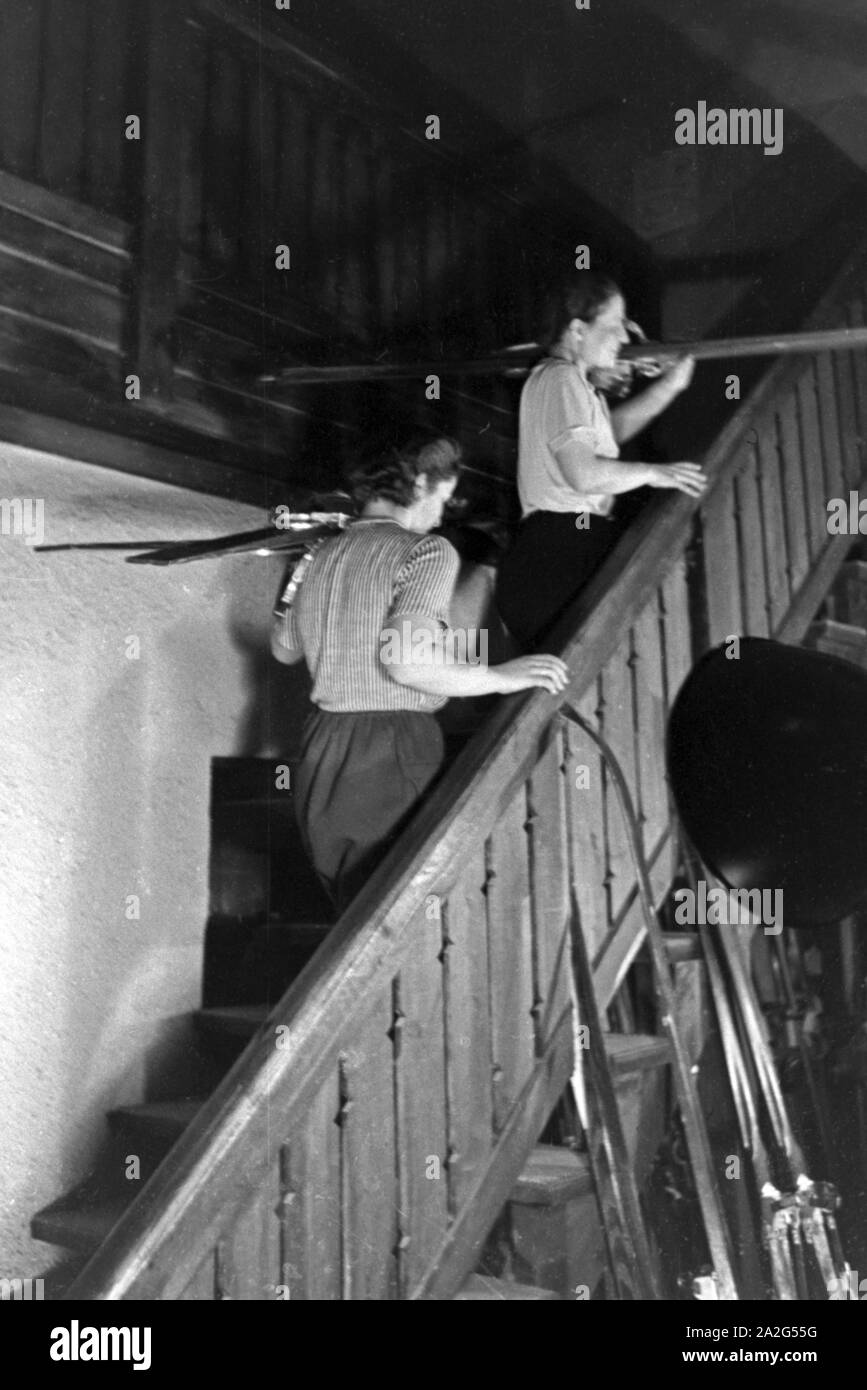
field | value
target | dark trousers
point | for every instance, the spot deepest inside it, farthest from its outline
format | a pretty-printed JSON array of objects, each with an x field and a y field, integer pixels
[
  {"x": 547, "y": 567},
  {"x": 359, "y": 779}
]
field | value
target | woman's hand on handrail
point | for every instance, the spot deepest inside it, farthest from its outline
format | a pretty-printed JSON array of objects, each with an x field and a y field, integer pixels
[
  {"x": 684, "y": 477},
  {"x": 525, "y": 672}
]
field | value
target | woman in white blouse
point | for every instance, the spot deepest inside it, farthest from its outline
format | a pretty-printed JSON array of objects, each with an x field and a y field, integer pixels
[{"x": 569, "y": 473}]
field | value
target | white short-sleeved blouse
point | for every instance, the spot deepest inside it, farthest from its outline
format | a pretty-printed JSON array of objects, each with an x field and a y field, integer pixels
[{"x": 558, "y": 405}]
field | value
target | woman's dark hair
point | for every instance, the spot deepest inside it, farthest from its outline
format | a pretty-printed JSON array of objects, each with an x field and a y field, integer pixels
[
  {"x": 582, "y": 296},
  {"x": 391, "y": 472}
]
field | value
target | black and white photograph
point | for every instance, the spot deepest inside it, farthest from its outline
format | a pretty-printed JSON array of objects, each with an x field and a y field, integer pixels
[{"x": 433, "y": 581}]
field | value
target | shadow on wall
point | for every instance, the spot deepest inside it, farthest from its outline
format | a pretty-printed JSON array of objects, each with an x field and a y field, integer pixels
[{"x": 277, "y": 696}]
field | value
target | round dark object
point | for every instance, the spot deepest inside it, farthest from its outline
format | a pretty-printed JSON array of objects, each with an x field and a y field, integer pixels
[{"x": 767, "y": 758}]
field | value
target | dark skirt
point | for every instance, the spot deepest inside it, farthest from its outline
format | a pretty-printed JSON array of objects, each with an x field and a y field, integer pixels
[
  {"x": 359, "y": 778},
  {"x": 547, "y": 567}
]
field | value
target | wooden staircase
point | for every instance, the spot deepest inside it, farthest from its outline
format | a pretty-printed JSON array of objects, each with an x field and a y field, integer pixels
[
  {"x": 555, "y": 1238},
  {"x": 371, "y": 1128}
]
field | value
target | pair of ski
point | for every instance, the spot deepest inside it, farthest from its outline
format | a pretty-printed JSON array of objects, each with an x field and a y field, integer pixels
[{"x": 791, "y": 1221}]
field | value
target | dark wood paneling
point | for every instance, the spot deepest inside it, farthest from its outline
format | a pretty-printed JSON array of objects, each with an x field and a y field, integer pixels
[
  {"x": 61, "y": 151},
  {"x": 293, "y": 204},
  {"x": 192, "y": 148},
  {"x": 253, "y": 175},
  {"x": 319, "y": 267},
  {"x": 56, "y": 250},
  {"x": 155, "y": 290},
  {"x": 384, "y": 233},
  {"x": 270, "y": 136},
  {"x": 21, "y": 86},
  {"x": 41, "y": 412},
  {"x": 82, "y": 308},
  {"x": 222, "y": 150},
  {"x": 50, "y": 211},
  {"x": 112, "y": 49}
]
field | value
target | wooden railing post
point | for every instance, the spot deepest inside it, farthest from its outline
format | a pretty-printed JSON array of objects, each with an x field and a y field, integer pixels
[{"x": 156, "y": 258}]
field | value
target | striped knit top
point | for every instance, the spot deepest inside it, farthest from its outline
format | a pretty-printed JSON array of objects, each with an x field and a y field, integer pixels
[{"x": 367, "y": 579}]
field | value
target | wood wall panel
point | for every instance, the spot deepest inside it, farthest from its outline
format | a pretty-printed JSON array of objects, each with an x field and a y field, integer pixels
[
  {"x": 191, "y": 145},
  {"x": 293, "y": 209},
  {"x": 110, "y": 161},
  {"x": 62, "y": 130},
  {"x": 223, "y": 153},
  {"x": 21, "y": 85}
]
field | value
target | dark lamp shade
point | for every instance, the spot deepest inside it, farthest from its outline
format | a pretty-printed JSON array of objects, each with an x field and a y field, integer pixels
[{"x": 767, "y": 758}]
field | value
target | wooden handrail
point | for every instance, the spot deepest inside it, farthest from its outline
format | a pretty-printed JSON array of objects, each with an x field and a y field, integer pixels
[{"x": 218, "y": 1164}]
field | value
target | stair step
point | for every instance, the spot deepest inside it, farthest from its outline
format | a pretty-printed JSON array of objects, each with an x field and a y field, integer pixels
[
  {"x": 81, "y": 1220},
  {"x": 551, "y": 1177},
  {"x": 636, "y": 1052},
  {"x": 299, "y": 933},
  {"x": 480, "y": 1288},
  {"x": 233, "y": 1021},
  {"x": 165, "y": 1120}
]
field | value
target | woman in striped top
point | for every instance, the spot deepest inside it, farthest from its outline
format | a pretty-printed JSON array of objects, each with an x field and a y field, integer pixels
[{"x": 371, "y": 619}]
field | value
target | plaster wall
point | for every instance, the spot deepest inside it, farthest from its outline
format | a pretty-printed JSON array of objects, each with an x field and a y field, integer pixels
[{"x": 107, "y": 747}]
